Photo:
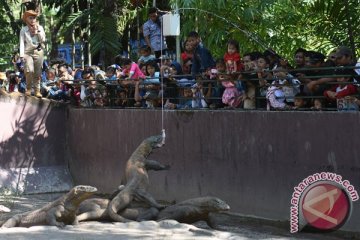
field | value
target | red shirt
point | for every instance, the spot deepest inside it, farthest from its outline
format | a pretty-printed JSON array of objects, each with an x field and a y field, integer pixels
[
  {"x": 186, "y": 57},
  {"x": 236, "y": 59}
]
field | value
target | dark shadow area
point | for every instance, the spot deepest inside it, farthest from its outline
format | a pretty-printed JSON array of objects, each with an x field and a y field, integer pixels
[{"x": 33, "y": 135}]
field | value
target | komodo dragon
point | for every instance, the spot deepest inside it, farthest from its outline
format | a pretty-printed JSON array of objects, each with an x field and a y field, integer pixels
[
  {"x": 137, "y": 179},
  {"x": 193, "y": 210},
  {"x": 57, "y": 213},
  {"x": 96, "y": 209}
]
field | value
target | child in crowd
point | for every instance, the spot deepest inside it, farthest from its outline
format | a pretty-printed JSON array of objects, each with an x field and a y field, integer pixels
[
  {"x": 217, "y": 87},
  {"x": 48, "y": 83},
  {"x": 131, "y": 71},
  {"x": 317, "y": 104},
  {"x": 185, "y": 101},
  {"x": 232, "y": 57},
  {"x": 264, "y": 78},
  {"x": 275, "y": 98},
  {"x": 187, "y": 56},
  {"x": 231, "y": 96},
  {"x": 339, "y": 91},
  {"x": 13, "y": 80},
  {"x": 146, "y": 94},
  {"x": 198, "y": 100},
  {"x": 290, "y": 84},
  {"x": 202, "y": 60},
  {"x": 170, "y": 87},
  {"x": 299, "y": 101},
  {"x": 110, "y": 73},
  {"x": 145, "y": 55},
  {"x": 130, "y": 74}
]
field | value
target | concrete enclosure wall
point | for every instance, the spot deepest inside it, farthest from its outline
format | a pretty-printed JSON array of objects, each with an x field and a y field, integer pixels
[
  {"x": 32, "y": 145},
  {"x": 252, "y": 160}
]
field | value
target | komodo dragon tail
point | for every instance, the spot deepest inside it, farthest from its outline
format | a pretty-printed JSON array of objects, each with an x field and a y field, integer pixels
[{"x": 112, "y": 210}]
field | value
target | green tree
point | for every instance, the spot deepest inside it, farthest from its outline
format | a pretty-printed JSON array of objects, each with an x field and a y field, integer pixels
[{"x": 282, "y": 25}]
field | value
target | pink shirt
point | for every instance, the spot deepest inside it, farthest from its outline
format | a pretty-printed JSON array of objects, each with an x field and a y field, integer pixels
[{"x": 134, "y": 73}]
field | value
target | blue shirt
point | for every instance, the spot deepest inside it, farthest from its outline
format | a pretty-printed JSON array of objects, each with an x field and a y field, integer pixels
[
  {"x": 153, "y": 30},
  {"x": 202, "y": 60}
]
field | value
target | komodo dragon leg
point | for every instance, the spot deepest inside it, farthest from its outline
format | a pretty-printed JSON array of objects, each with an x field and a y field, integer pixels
[
  {"x": 54, "y": 213},
  {"x": 144, "y": 196},
  {"x": 12, "y": 222},
  {"x": 140, "y": 214},
  {"x": 155, "y": 165}
]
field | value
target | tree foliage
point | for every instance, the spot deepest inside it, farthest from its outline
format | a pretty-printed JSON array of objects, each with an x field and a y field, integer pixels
[{"x": 282, "y": 25}]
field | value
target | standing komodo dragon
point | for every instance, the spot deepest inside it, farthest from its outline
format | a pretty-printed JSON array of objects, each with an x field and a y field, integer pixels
[
  {"x": 57, "y": 213},
  {"x": 137, "y": 179}
]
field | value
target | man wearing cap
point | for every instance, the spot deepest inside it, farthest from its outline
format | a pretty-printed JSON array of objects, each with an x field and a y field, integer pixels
[{"x": 32, "y": 38}]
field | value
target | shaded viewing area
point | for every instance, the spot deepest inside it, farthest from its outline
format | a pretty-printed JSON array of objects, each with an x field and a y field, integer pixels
[{"x": 180, "y": 90}]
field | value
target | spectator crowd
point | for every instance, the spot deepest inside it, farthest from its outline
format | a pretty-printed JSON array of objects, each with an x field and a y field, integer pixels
[{"x": 254, "y": 80}]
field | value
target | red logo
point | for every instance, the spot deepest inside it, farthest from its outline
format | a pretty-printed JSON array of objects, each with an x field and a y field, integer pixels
[{"x": 326, "y": 206}]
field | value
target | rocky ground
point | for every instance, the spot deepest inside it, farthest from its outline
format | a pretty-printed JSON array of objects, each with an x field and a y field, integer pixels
[{"x": 168, "y": 229}]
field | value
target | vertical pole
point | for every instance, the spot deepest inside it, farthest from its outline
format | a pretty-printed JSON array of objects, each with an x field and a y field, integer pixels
[
  {"x": 89, "y": 33},
  {"x": 178, "y": 49},
  {"x": 73, "y": 42},
  {"x": 154, "y": 3},
  {"x": 138, "y": 25}
]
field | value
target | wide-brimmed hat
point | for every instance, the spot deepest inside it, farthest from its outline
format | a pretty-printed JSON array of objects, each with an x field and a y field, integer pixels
[
  {"x": 2, "y": 76},
  {"x": 29, "y": 13}
]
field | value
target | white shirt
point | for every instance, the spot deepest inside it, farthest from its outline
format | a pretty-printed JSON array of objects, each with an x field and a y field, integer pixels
[{"x": 28, "y": 43}]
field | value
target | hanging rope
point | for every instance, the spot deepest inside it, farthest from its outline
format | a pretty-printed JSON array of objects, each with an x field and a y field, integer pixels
[{"x": 162, "y": 82}]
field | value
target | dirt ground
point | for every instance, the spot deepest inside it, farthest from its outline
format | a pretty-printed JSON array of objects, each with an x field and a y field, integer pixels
[{"x": 168, "y": 229}]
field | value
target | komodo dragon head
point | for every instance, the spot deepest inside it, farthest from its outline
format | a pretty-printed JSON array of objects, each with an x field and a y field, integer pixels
[
  {"x": 154, "y": 141},
  {"x": 78, "y": 194},
  {"x": 208, "y": 203}
]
